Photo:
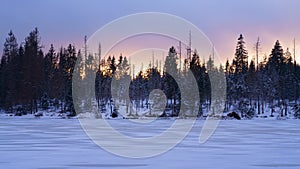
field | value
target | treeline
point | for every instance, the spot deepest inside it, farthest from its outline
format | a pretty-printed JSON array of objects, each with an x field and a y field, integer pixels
[
  {"x": 140, "y": 85},
  {"x": 272, "y": 84},
  {"x": 31, "y": 80}
]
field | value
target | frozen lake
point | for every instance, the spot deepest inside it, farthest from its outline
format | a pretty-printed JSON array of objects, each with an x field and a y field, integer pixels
[{"x": 62, "y": 144}]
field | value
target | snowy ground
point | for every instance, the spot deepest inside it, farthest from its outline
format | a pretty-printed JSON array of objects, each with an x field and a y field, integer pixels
[{"x": 62, "y": 144}]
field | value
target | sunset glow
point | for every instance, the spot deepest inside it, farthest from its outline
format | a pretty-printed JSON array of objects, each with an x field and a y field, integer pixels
[{"x": 221, "y": 23}]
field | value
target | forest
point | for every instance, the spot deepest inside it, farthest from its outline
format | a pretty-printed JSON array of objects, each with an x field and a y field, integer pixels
[{"x": 33, "y": 80}]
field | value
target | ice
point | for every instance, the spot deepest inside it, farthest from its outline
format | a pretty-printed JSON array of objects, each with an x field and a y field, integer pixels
[{"x": 61, "y": 143}]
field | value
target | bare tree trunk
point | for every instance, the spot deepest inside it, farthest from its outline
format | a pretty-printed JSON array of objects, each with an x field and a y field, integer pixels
[
  {"x": 262, "y": 107},
  {"x": 258, "y": 105}
]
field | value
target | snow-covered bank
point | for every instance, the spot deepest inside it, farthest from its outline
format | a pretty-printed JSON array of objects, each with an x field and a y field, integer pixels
[{"x": 60, "y": 116}]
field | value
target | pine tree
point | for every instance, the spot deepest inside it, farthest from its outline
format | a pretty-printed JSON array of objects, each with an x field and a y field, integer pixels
[
  {"x": 290, "y": 79},
  {"x": 171, "y": 87},
  {"x": 67, "y": 61},
  {"x": 10, "y": 47},
  {"x": 3, "y": 81},
  {"x": 10, "y": 53},
  {"x": 251, "y": 81},
  {"x": 275, "y": 71},
  {"x": 276, "y": 59},
  {"x": 240, "y": 66},
  {"x": 49, "y": 68},
  {"x": 210, "y": 64},
  {"x": 241, "y": 56},
  {"x": 33, "y": 70},
  {"x": 170, "y": 62}
]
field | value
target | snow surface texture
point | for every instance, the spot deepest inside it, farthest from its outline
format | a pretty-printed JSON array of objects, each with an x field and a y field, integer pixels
[{"x": 57, "y": 143}]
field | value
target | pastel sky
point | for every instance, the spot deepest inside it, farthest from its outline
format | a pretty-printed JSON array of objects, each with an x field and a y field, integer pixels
[{"x": 67, "y": 21}]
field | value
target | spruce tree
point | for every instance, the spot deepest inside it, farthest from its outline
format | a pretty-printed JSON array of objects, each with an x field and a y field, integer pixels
[{"x": 10, "y": 53}]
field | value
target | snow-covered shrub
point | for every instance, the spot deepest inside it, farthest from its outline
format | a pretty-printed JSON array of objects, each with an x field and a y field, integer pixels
[
  {"x": 20, "y": 111},
  {"x": 38, "y": 114},
  {"x": 251, "y": 113},
  {"x": 246, "y": 110},
  {"x": 296, "y": 110},
  {"x": 234, "y": 115},
  {"x": 115, "y": 113},
  {"x": 44, "y": 102}
]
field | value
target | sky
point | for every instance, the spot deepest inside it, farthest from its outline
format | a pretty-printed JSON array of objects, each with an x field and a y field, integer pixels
[{"x": 62, "y": 22}]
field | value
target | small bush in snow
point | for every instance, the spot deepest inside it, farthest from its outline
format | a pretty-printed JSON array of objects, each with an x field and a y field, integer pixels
[
  {"x": 246, "y": 110},
  {"x": 296, "y": 110}
]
